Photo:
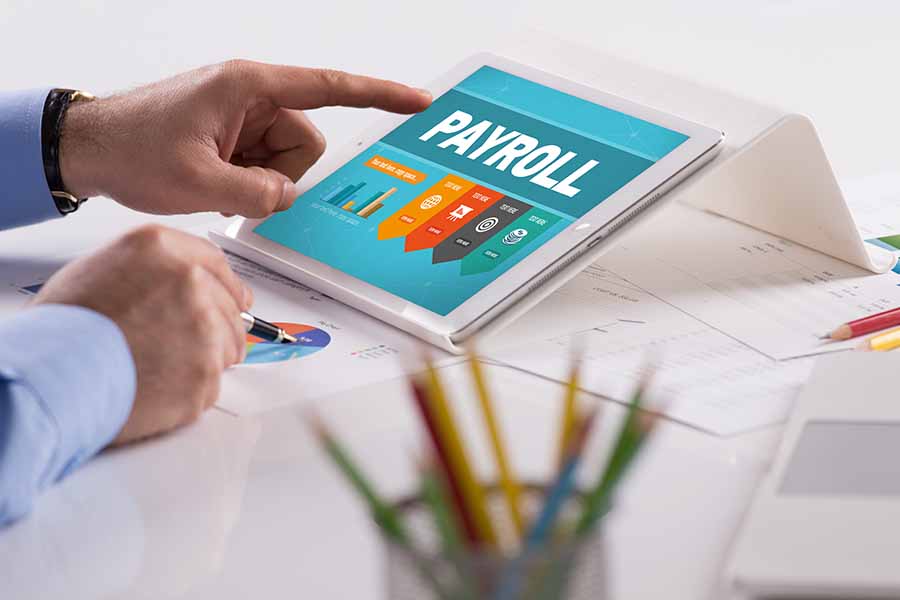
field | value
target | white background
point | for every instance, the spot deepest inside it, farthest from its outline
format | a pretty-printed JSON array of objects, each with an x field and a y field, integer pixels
[
  {"x": 243, "y": 508},
  {"x": 832, "y": 59}
]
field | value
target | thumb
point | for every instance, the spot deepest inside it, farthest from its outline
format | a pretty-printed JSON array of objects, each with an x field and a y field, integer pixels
[{"x": 251, "y": 191}]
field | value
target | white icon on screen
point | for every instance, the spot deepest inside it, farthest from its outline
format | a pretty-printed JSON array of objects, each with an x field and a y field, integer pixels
[
  {"x": 514, "y": 237},
  {"x": 487, "y": 224},
  {"x": 431, "y": 201},
  {"x": 461, "y": 211}
]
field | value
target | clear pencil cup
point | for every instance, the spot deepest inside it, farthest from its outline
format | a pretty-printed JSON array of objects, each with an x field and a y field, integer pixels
[{"x": 565, "y": 568}]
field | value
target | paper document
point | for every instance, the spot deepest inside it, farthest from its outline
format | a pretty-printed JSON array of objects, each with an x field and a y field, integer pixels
[
  {"x": 875, "y": 203},
  {"x": 340, "y": 348},
  {"x": 775, "y": 296},
  {"x": 705, "y": 378}
]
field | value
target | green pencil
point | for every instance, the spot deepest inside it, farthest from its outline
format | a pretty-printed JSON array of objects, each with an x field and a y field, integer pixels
[
  {"x": 385, "y": 516},
  {"x": 433, "y": 492},
  {"x": 633, "y": 433}
]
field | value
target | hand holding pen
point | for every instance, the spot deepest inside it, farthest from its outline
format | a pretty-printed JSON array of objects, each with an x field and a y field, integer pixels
[{"x": 265, "y": 330}]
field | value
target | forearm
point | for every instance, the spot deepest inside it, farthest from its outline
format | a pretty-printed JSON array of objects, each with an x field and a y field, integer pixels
[{"x": 67, "y": 382}]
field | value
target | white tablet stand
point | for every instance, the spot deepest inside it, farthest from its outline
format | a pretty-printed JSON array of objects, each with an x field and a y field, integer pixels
[{"x": 772, "y": 173}]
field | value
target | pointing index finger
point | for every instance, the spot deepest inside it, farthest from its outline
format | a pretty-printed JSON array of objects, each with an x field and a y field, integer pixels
[{"x": 303, "y": 88}]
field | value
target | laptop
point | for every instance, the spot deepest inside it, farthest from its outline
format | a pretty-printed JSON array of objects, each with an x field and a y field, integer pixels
[{"x": 825, "y": 521}]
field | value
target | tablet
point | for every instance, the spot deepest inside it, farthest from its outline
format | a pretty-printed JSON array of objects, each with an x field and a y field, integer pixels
[{"x": 442, "y": 221}]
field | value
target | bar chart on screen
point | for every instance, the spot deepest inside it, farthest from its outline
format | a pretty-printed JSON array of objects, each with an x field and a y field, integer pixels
[{"x": 357, "y": 198}]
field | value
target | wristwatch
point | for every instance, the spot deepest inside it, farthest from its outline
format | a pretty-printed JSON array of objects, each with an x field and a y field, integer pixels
[{"x": 55, "y": 107}]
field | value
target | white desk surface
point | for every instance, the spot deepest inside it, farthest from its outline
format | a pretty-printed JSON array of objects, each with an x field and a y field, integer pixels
[{"x": 238, "y": 508}]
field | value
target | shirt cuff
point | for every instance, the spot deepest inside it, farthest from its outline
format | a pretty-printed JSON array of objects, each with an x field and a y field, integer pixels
[
  {"x": 78, "y": 364},
  {"x": 25, "y": 197}
]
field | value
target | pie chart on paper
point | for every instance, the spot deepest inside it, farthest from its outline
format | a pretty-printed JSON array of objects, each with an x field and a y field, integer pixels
[{"x": 309, "y": 341}]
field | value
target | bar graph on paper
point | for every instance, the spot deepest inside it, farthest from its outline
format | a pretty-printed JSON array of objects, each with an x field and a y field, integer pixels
[{"x": 357, "y": 198}]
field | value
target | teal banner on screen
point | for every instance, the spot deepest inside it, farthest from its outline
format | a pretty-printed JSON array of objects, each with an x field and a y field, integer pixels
[
  {"x": 535, "y": 174},
  {"x": 459, "y": 194}
]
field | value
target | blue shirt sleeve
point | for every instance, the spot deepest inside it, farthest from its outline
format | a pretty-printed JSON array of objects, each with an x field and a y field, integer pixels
[
  {"x": 24, "y": 195},
  {"x": 67, "y": 383}
]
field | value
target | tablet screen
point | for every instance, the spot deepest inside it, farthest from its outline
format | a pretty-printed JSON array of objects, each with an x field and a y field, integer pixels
[{"x": 457, "y": 195}]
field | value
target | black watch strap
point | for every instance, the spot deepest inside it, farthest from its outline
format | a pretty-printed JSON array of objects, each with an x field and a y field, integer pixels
[{"x": 55, "y": 107}]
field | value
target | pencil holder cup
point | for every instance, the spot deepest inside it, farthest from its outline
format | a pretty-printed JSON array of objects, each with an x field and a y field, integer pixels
[{"x": 567, "y": 569}]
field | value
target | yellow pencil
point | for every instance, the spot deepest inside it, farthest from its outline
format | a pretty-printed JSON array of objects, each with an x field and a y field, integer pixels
[
  {"x": 472, "y": 493},
  {"x": 511, "y": 488},
  {"x": 569, "y": 413},
  {"x": 884, "y": 341}
]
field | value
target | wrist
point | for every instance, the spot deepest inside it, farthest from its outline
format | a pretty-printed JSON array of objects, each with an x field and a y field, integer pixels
[{"x": 81, "y": 149}]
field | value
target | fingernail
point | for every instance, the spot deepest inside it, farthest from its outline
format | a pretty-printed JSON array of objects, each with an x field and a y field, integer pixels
[
  {"x": 288, "y": 194},
  {"x": 424, "y": 92},
  {"x": 248, "y": 297}
]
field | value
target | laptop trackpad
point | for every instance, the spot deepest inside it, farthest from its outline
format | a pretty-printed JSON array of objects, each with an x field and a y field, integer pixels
[{"x": 845, "y": 458}]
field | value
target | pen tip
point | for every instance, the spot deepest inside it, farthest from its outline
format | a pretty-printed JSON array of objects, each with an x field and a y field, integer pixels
[{"x": 288, "y": 339}]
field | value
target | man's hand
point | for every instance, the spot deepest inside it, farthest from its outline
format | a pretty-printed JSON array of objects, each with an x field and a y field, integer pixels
[
  {"x": 230, "y": 138},
  {"x": 178, "y": 303}
]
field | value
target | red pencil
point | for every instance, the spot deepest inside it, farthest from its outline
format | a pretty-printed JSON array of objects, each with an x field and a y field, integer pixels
[
  {"x": 421, "y": 397},
  {"x": 864, "y": 325}
]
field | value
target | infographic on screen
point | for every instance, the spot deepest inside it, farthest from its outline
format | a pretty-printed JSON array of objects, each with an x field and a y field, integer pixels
[{"x": 460, "y": 193}]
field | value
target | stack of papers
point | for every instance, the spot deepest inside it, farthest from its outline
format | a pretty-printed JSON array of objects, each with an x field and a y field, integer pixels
[{"x": 730, "y": 314}]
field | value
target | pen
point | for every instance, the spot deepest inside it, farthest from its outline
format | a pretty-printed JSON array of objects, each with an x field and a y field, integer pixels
[{"x": 265, "y": 330}]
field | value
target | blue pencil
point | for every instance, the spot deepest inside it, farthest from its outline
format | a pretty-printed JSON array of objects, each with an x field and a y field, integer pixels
[
  {"x": 554, "y": 502},
  {"x": 562, "y": 488},
  {"x": 553, "y": 505}
]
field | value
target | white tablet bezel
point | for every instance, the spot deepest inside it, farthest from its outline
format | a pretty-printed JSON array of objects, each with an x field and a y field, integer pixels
[{"x": 354, "y": 291}]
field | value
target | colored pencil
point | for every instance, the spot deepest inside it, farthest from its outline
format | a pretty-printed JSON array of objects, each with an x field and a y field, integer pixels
[
  {"x": 569, "y": 410},
  {"x": 563, "y": 486},
  {"x": 554, "y": 502},
  {"x": 864, "y": 325},
  {"x": 420, "y": 395},
  {"x": 435, "y": 498},
  {"x": 385, "y": 516},
  {"x": 460, "y": 468},
  {"x": 434, "y": 494},
  {"x": 512, "y": 490},
  {"x": 634, "y": 431},
  {"x": 884, "y": 341}
]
